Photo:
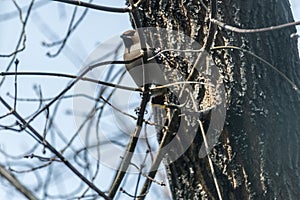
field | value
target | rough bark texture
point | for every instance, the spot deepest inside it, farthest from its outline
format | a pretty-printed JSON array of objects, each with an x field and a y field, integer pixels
[{"x": 257, "y": 156}]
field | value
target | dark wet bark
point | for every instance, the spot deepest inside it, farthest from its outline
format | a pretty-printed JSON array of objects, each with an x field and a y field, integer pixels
[{"x": 258, "y": 153}]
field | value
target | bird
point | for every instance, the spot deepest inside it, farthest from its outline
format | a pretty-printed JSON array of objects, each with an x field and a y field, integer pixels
[
  {"x": 146, "y": 73},
  {"x": 142, "y": 71}
]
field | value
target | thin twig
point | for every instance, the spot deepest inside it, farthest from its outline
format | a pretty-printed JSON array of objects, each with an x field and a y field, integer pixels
[
  {"x": 53, "y": 150},
  {"x": 45, "y": 127},
  {"x": 41, "y": 158},
  {"x": 167, "y": 133},
  {"x": 96, "y": 7},
  {"x": 130, "y": 147},
  {"x": 16, "y": 183},
  {"x": 294, "y": 86},
  {"x": 175, "y": 50},
  {"x": 258, "y": 30},
  {"x": 23, "y": 34},
  {"x": 16, "y": 84},
  {"x": 210, "y": 161},
  {"x": 77, "y": 79},
  {"x": 10, "y": 15},
  {"x": 31, "y": 169},
  {"x": 51, "y": 35},
  {"x": 73, "y": 77},
  {"x": 71, "y": 29},
  {"x": 137, "y": 4},
  {"x": 130, "y": 195},
  {"x": 207, "y": 43},
  {"x": 146, "y": 176},
  {"x": 212, "y": 28},
  {"x": 140, "y": 175}
]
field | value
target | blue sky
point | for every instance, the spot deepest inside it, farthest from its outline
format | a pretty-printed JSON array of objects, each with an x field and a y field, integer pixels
[{"x": 49, "y": 23}]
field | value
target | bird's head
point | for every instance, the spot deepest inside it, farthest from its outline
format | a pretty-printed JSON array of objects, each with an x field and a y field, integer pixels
[{"x": 130, "y": 38}]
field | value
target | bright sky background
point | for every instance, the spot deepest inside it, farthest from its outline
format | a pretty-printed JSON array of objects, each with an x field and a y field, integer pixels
[{"x": 49, "y": 23}]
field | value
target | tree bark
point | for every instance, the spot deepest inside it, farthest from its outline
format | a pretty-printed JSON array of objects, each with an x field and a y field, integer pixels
[{"x": 258, "y": 153}]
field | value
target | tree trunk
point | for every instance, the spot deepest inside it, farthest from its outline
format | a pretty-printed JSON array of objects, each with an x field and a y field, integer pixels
[{"x": 258, "y": 153}]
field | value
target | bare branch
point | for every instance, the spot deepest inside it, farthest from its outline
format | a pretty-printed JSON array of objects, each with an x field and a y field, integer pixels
[
  {"x": 72, "y": 77},
  {"x": 258, "y": 30},
  {"x": 13, "y": 14},
  {"x": 16, "y": 83},
  {"x": 209, "y": 160},
  {"x": 22, "y": 37},
  {"x": 71, "y": 29},
  {"x": 78, "y": 78},
  {"x": 131, "y": 146},
  {"x": 16, "y": 183},
  {"x": 168, "y": 133},
  {"x": 96, "y": 7},
  {"x": 53, "y": 150}
]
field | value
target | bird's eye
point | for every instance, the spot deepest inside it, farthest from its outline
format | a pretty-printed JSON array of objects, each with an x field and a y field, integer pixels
[{"x": 131, "y": 33}]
